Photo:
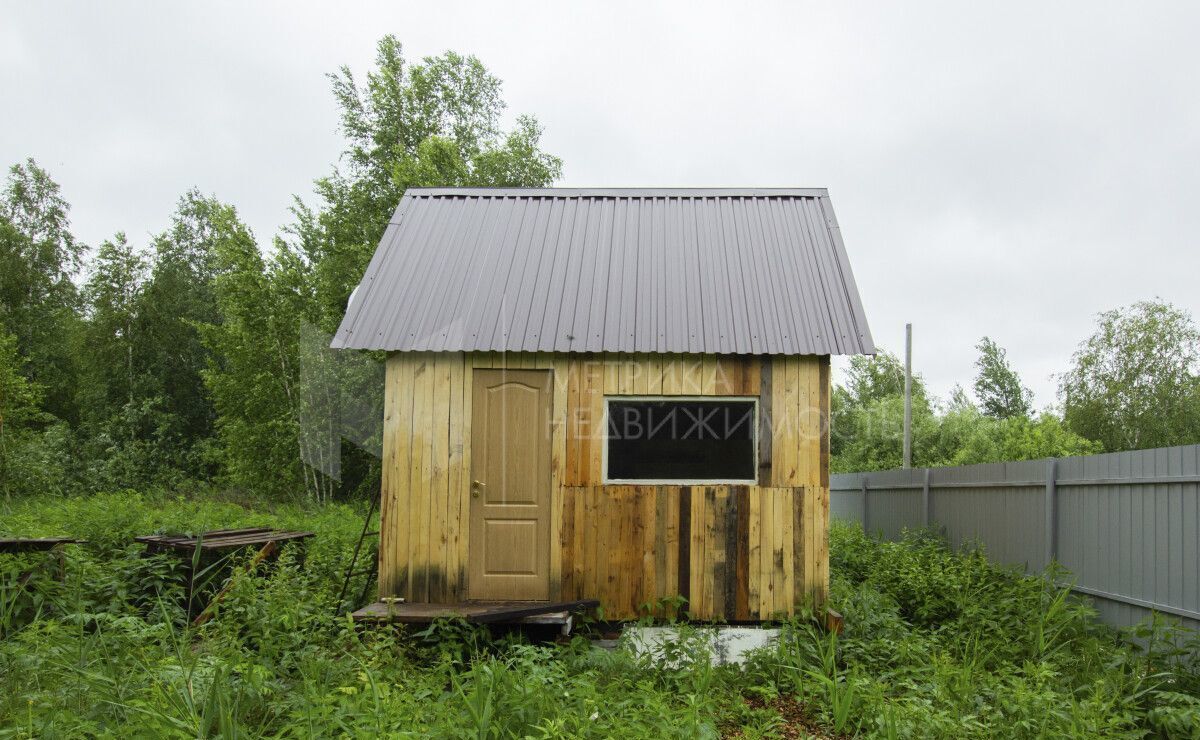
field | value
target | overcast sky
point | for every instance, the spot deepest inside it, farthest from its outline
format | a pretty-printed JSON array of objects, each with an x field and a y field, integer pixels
[{"x": 1008, "y": 172}]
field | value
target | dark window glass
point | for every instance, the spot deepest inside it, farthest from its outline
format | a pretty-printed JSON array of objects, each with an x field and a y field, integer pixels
[{"x": 681, "y": 440}]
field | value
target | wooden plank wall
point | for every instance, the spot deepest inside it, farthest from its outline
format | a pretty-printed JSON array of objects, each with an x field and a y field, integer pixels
[
  {"x": 427, "y": 471},
  {"x": 735, "y": 552}
]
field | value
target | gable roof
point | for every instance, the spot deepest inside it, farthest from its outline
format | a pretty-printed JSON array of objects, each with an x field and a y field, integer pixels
[{"x": 723, "y": 271}]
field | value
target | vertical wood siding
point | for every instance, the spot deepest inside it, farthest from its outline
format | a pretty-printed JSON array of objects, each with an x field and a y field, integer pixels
[{"x": 734, "y": 552}]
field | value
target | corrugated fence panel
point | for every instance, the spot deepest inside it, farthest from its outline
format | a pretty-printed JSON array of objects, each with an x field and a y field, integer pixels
[
  {"x": 973, "y": 504},
  {"x": 888, "y": 504},
  {"x": 1126, "y": 525},
  {"x": 893, "y": 504},
  {"x": 846, "y": 505},
  {"x": 892, "y": 512}
]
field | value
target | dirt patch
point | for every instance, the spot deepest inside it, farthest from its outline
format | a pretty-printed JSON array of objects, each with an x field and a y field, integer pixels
[{"x": 798, "y": 721}]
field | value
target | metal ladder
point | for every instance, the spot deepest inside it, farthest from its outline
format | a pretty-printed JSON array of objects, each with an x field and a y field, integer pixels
[{"x": 371, "y": 570}]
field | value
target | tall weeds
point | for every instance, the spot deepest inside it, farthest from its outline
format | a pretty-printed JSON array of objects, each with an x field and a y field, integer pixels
[{"x": 936, "y": 644}]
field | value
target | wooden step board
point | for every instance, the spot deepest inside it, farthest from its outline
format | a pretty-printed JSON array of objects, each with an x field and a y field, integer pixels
[
  {"x": 16, "y": 544},
  {"x": 479, "y": 612},
  {"x": 221, "y": 539}
]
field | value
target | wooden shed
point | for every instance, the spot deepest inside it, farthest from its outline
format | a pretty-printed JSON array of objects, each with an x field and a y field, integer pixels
[{"x": 619, "y": 394}]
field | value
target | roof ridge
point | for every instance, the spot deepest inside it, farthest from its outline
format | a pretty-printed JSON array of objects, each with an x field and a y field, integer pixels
[{"x": 636, "y": 192}]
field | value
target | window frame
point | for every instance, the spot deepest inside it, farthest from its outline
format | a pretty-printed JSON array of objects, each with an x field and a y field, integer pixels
[{"x": 754, "y": 434}]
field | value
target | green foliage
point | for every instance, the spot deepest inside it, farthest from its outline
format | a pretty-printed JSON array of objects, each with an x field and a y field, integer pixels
[
  {"x": 146, "y": 415},
  {"x": 868, "y": 420},
  {"x": 936, "y": 644},
  {"x": 200, "y": 357},
  {"x": 112, "y": 295},
  {"x": 944, "y": 644},
  {"x": 19, "y": 401},
  {"x": 432, "y": 123},
  {"x": 1133, "y": 384},
  {"x": 118, "y": 363},
  {"x": 178, "y": 297},
  {"x": 871, "y": 436},
  {"x": 112, "y": 656},
  {"x": 19, "y": 398},
  {"x": 125, "y": 431},
  {"x": 997, "y": 386},
  {"x": 38, "y": 300},
  {"x": 251, "y": 371},
  {"x": 879, "y": 377},
  {"x": 987, "y": 440},
  {"x": 867, "y": 429}
]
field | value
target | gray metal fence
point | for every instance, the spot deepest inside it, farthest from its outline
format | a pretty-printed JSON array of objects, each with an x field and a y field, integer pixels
[{"x": 1125, "y": 524}]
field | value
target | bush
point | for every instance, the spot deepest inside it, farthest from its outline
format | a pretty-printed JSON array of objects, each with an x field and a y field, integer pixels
[{"x": 951, "y": 645}]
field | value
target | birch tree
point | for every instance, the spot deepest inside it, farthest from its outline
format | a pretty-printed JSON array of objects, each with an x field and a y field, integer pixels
[{"x": 1133, "y": 384}]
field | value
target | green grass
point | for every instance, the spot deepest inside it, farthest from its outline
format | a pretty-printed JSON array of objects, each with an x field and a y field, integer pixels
[{"x": 936, "y": 644}]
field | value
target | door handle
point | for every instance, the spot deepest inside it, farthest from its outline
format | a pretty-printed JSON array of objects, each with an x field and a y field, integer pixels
[{"x": 476, "y": 488}]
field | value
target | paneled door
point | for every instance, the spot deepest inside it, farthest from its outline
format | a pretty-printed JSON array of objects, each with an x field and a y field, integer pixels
[{"x": 509, "y": 548}]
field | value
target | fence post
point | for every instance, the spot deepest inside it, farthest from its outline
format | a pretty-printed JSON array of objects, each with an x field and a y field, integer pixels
[
  {"x": 925, "y": 502},
  {"x": 866, "y": 528},
  {"x": 1051, "y": 510}
]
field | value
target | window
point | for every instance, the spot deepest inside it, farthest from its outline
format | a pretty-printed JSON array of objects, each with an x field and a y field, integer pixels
[{"x": 693, "y": 440}]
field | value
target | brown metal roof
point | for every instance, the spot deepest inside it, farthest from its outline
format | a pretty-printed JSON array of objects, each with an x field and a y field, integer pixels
[{"x": 725, "y": 271}]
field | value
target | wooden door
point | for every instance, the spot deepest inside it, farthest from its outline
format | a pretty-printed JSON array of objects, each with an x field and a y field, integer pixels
[{"x": 509, "y": 549}]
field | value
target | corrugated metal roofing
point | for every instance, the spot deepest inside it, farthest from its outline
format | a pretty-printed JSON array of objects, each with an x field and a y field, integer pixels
[{"x": 725, "y": 271}]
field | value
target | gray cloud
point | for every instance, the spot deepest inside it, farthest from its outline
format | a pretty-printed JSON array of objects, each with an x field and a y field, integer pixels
[{"x": 1006, "y": 171}]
